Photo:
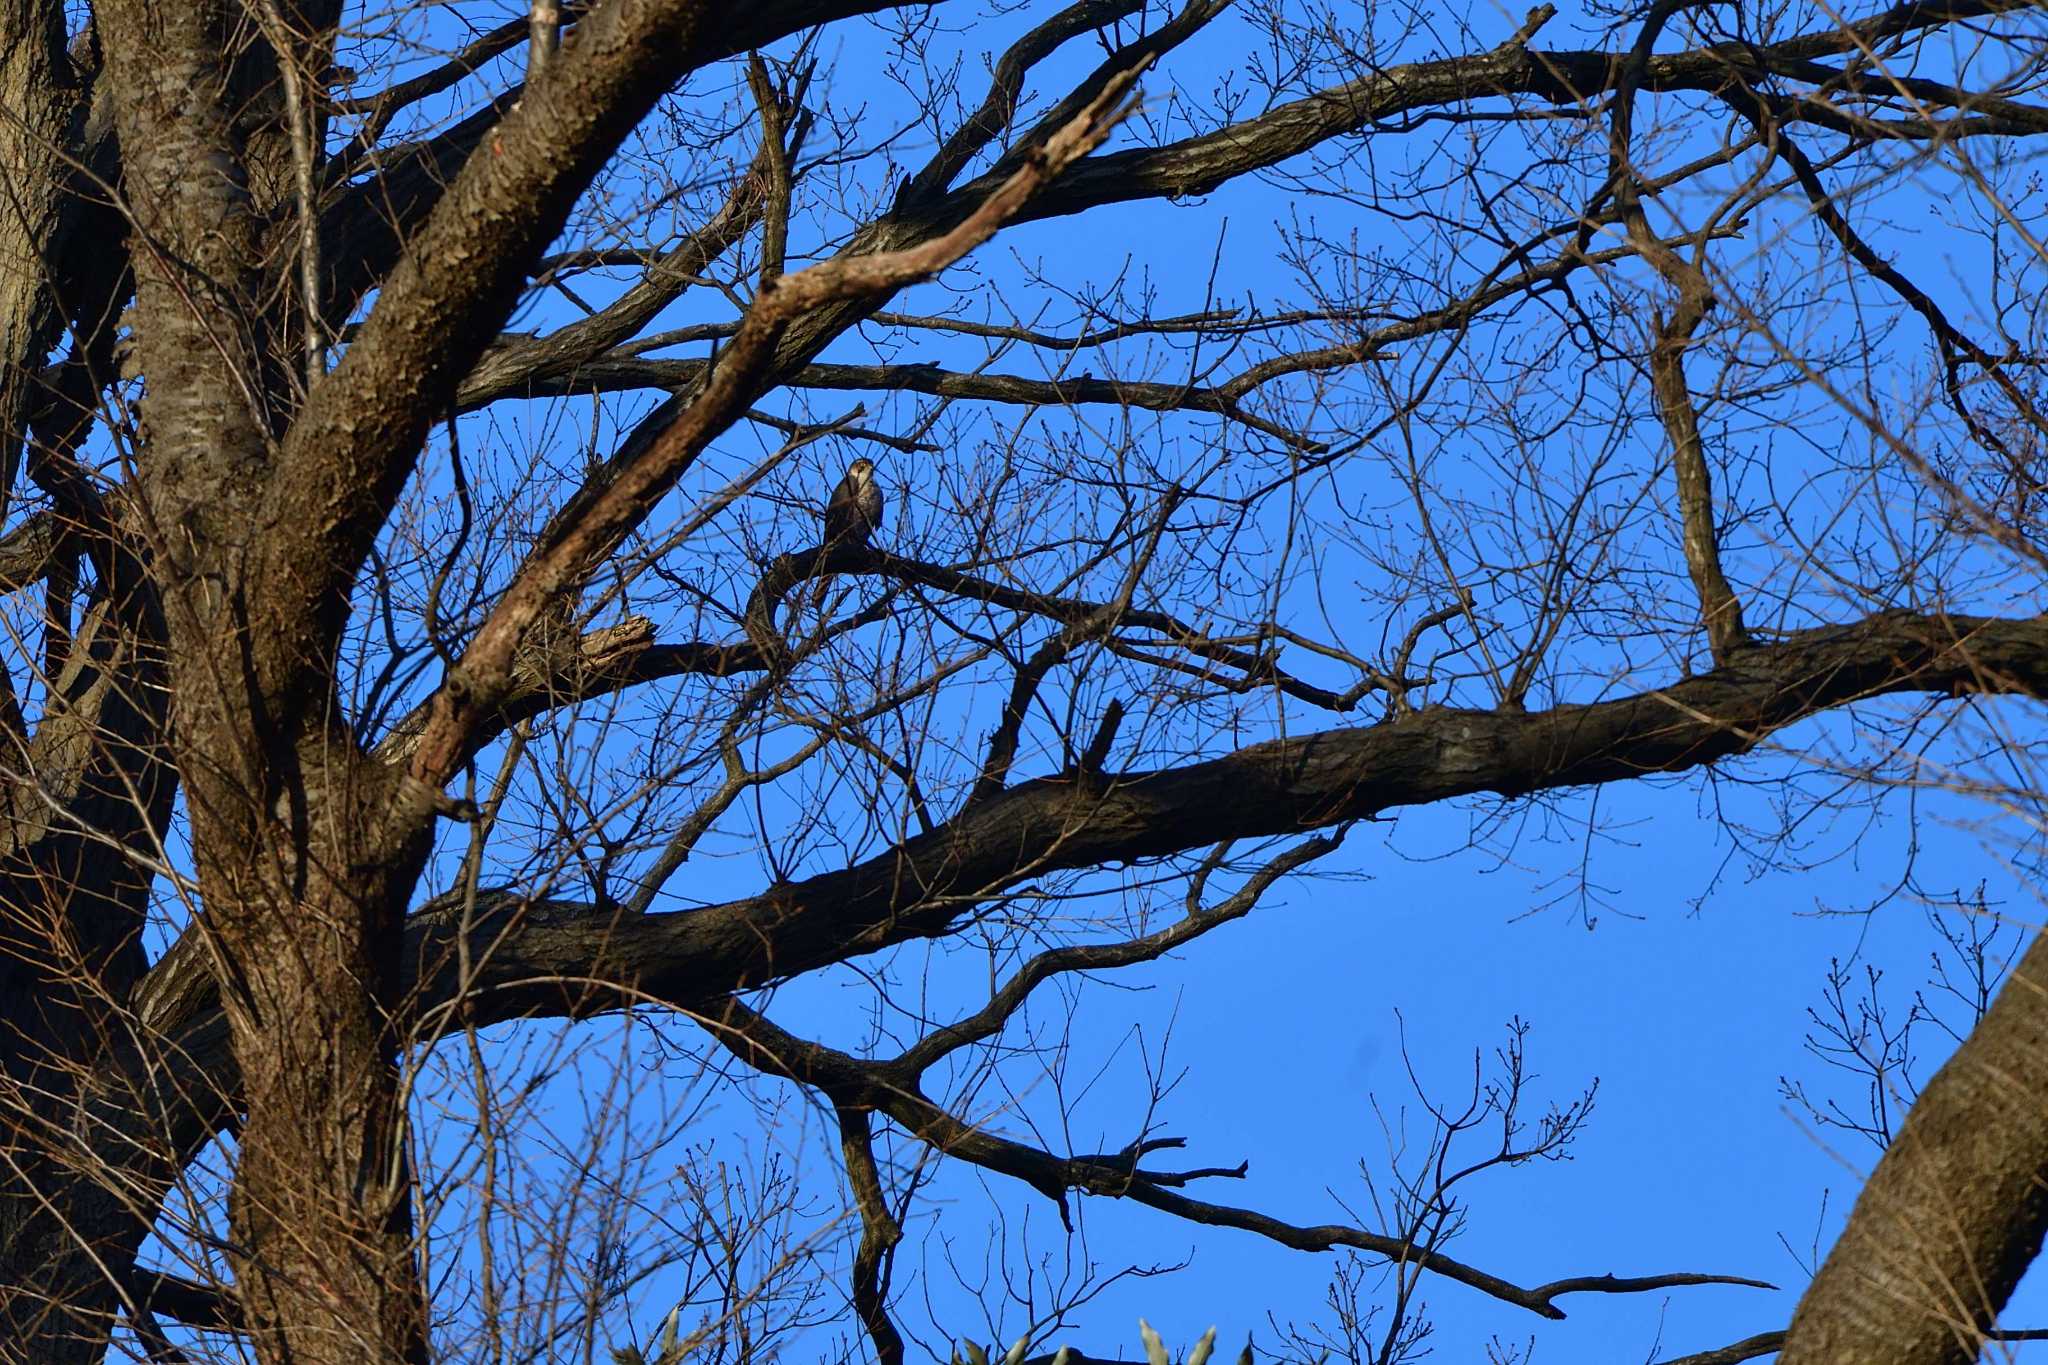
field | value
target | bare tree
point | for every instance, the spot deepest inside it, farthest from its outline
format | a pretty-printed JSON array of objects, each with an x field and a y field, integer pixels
[{"x": 429, "y": 684}]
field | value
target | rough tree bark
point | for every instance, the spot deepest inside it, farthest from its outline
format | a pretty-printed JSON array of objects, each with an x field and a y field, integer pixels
[
  {"x": 229, "y": 540},
  {"x": 1955, "y": 1212}
]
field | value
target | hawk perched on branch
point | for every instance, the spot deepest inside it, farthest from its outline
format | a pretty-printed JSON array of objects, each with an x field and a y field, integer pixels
[{"x": 855, "y": 510}]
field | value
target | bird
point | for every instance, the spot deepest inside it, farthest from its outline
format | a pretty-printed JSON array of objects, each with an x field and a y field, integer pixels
[{"x": 854, "y": 512}]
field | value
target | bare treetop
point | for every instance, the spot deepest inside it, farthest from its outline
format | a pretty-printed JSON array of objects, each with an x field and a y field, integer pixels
[{"x": 454, "y": 628}]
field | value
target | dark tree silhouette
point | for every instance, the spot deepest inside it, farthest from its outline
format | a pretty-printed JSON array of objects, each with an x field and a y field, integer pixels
[{"x": 415, "y": 423}]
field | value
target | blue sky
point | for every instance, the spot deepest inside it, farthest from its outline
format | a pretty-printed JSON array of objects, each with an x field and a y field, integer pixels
[
  {"x": 1680, "y": 982},
  {"x": 1682, "y": 985},
  {"x": 1687, "y": 1015}
]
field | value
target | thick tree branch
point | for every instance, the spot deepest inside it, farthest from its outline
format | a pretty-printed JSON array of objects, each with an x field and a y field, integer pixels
[
  {"x": 221, "y": 479},
  {"x": 597, "y": 518},
  {"x": 549, "y": 958},
  {"x": 1957, "y": 1209},
  {"x": 354, "y": 444},
  {"x": 1278, "y": 787},
  {"x": 1673, "y": 332},
  {"x": 1202, "y": 164},
  {"x": 529, "y": 950}
]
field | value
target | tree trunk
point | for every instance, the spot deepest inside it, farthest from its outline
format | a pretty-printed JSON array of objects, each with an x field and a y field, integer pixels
[{"x": 1954, "y": 1213}]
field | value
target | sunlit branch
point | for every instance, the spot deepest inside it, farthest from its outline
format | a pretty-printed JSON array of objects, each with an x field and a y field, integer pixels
[
  {"x": 992, "y": 119},
  {"x": 1720, "y": 610},
  {"x": 600, "y": 515}
]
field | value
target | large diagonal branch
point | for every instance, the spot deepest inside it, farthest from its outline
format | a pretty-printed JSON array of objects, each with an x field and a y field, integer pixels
[
  {"x": 379, "y": 220},
  {"x": 533, "y": 958},
  {"x": 1200, "y": 165},
  {"x": 1956, "y": 1211},
  {"x": 385, "y": 210},
  {"x": 528, "y": 950},
  {"x": 351, "y": 450},
  {"x": 1282, "y": 786},
  {"x": 354, "y": 444},
  {"x": 598, "y": 517}
]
